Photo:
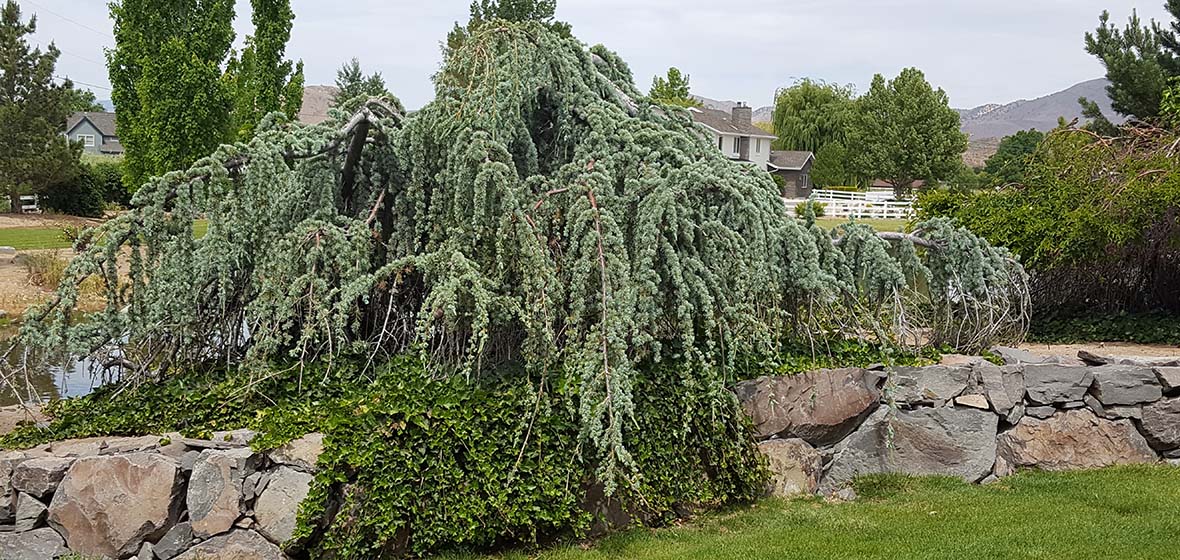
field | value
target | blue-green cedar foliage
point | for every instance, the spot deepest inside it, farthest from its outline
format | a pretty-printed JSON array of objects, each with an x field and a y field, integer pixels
[{"x": 538, "y": 212}]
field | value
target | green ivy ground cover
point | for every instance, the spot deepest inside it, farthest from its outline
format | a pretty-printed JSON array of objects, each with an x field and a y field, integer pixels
[{"x": 1126, "y": 512}]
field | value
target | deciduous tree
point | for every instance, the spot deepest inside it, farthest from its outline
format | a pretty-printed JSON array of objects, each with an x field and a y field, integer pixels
[
  {"x": 811, "y": 114},
  {"x": 33, "y": 111},
  {"x": 166, "y": 73},
  {"x": 83, "y": 101},
  {"x": 904, "y": 130},
  {"x": 672, "y": 90},
  {"x": 1010, "y": 162},
  {"x": 261, "y": 81}
]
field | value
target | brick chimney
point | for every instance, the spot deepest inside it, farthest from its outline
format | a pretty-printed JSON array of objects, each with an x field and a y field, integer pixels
[{"x": 742, "y": 114}]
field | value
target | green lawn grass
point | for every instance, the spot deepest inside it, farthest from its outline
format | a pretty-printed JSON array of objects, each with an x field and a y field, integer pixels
[
  {"x": 51, "y": 238},
  {"x": 879, "y": 225},
  {"x": 1126, "y": 512}
]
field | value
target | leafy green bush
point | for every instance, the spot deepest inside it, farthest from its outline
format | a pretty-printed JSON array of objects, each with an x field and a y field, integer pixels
[
  {"x": 108, "y": 176},
  {"x": 78, "y": 195},
  {"x": 1149, "y": 328},
  {"x": 818, "y": 208},
  {"x": 414, "y": 464}
]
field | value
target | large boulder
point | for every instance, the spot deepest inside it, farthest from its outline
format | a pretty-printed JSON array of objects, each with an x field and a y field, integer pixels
[
  {"x": 40, "y": 477},
  {"x": 1161, "y": 424},
  {"x": 1120, "y": 385},
  {"x": 216, "y": 498},
  {"x": 278, "y": 505},
  {"x": 1048, "y": 384},
  {"x": 235, "y": 545},
  {"x": 1074, "y": 439},
  {"x": 301, "y": 454},
  {"x": 1016, "y": 357},
  {"x": 947, "y": 441},
  {"x": 795, "y": 467},
  {"x": 109, "y": 505},
  {"x": 930, "y": 385},
  {"x": 42, "y": 544},
  {"x": 820, "y": 406},
  {"x": 1003, "y": 386}
]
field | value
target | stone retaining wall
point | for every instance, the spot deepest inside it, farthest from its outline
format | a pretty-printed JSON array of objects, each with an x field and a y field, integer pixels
[
  {"x": 966, "y": 418},
  {"x": 153, "y": 497}
]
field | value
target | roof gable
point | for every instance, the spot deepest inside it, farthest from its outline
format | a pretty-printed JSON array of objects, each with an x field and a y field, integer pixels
[
  {"x": 104, "y": 122},
  {"x": 788, "y": 160}
]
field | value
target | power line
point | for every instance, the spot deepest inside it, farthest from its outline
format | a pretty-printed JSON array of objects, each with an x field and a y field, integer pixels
[
  {"x": 75, "y": 22},
  {"x": 83, "y": 83}
]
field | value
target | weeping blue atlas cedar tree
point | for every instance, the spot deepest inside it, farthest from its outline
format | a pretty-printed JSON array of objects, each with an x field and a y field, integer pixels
[{"x": 540, "y": 212}]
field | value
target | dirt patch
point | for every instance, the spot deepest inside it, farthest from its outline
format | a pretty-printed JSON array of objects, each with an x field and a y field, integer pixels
[
  {"x": 44, "y": 221},
  {"x": 1105, "y": 349}
]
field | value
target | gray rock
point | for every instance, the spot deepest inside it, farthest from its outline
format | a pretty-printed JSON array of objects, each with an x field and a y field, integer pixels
[
  {"x": 1052, "y": 384},
  {"x": 1125, "y": 385},
  {"x": 178, "y": 539},
  {"x": 235, "y": 545},
  {"x": 1169, "y": 377},
  {"x": 1072, "y": 405},
  {"x": 109, "y": 505},
  {"x": 844, "y": 495},
  {"x": 1041, "y": 412},
  {"x": 277, "y": 506},
  {"x": 237, "y": 437},
  {"x": 1015, "y": 415},
  {"x": 1016, "y": 356},
  {"x": 795, "y": 467},
  {"x": 1139, "y": 361},
  {"x": 820, "y": 406},
  {"x": 122, "y": 446},
  {"x": 1161, "y": 424},
  {"x": 40, "y": 477},
  {"x": 1075, "y": 439},
  {"x": 216, "y": 498},
  {"x": 1095, "y": 406},
  {"x": 930, "y": 385},
  {"x": 255, "y": 484},
  {"x": 41, "y": 544},
  {"x": 957, "y": 442},
  {"x": 30, "y": 513},
  {"x": 8, "y": 463},
  {"x": 1116, "y": 412},
  {"x": 146, "y": 552},
  {"x": 301, "y": 454},
  {"x": 1003, "y": 386}
]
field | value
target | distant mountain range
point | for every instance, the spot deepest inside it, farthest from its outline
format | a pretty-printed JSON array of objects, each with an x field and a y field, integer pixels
[{"x": 987, "y": 124}]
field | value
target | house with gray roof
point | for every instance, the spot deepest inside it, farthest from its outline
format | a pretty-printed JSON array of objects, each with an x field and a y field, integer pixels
[
  {"x": 795, "y": 169},
  {"x": 736, "y": 136},
  {"x": 96, "y": 132},
  {"x": 734, "y": 133}
]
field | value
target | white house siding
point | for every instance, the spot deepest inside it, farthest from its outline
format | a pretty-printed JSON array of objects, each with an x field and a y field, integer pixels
[{"x": 758, "y": 156}]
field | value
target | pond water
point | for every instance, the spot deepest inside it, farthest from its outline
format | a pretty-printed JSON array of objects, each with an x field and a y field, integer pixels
[{"x": 54, "y": 382}]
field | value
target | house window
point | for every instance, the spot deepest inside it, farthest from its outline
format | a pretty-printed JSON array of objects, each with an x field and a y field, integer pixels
[
  {"x": 87, "y": 140},
  {"x": 737, "y": 143},
  {"x": 720, "y": 146},
  {"x": 805, "y": 180},
  {"x": 758, "y": 146}
]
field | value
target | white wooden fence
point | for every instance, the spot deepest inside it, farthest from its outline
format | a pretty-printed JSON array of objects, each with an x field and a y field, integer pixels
[{"x": 845, "y": 204}]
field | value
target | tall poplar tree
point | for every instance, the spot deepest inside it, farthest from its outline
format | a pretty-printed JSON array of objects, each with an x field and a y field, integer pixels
[
  {"x": 33, "y": 111},
  {"x": 166, "y": 74},
  {"x": 261, "y": 80}
]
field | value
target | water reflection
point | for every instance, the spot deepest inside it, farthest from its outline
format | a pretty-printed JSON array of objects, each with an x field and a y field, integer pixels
[{"x": 54, "y": 382}]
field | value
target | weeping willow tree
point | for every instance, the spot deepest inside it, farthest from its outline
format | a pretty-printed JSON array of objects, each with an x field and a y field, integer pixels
[{"x": 540, "y": 211}]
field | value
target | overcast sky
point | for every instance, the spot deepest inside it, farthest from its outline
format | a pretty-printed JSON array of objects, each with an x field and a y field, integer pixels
[{"x": 990, "y": 51}]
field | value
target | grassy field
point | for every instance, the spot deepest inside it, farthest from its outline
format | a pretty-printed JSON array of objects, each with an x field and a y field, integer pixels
[
  {"x": 1128, "y": 512},
  {"x": 879, "y": 225},
  {"x": 52, "y": 237}
]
